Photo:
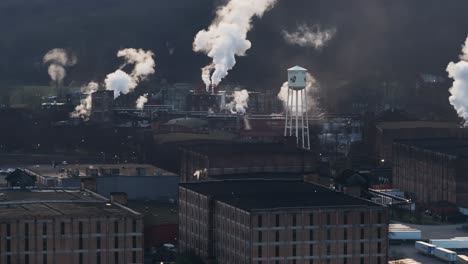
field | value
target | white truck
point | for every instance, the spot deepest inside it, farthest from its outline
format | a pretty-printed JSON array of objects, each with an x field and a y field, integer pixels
[
  {"x": 445, "y": 254},
  {"x": 454, "y": 243},
  {"x": 403, "y": 232},
  {"x": 424, "y": 247}
]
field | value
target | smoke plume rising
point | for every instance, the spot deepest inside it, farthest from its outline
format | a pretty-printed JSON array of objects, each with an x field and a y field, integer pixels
[
  {"x": 141, "y": 101},
  {"x": 84, "y": 109},
  {"x": 306, "y": 36},
  {"x": 121, "y": 82},
  {"x": 58, "y": 59},
  {"x": 247, "y": 125},
  {"x": 206, "y": 76},
  {"x": 309, "y": 90},
  {"x": 459, "y": 90},
  {"x": 239, "y": 104},
  {"x": 227, "y": 35}
]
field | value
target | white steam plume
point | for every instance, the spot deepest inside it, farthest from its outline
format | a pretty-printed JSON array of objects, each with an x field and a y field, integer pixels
[
  {"x": 306, "y": 36},
  {"x": 459, "y": 90},
  {"x": 58, "y": 59},
  {"x": 206, "y": 75},
  {"x": 227, "y": 35},
  {"x": 141, "y": 101},
  {"x": 247, "y": 125},
  {"x": 310, "y": 87},
  {"x": 240, "y": 102},
  {"x": 84, "y": 109},
  {"x": 121, "y": 82}
]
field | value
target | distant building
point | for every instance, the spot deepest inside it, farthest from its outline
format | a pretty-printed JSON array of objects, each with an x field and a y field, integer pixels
[
  {"x": 176, "y": 95},
  {"x": 432, "y": 170},
  {"x": 102, "y": 107},
  {"x": 57, "y": 226},
  {"x": 352, "y": 183},
  {"x": 160, "y": 222},
  {"x": 201, "y": 161},
  {"x": 339, "y": 132},
  {"x": 429, "y": 89},
  {"x": 21, "y": 178},
  {"x": 279, "y": 221},
  {"x": 206, "y": 102},
  {"x": 387, "y": 132},
  {"x": 184, "y": 125},
  {"x": 139, "y": 181}
]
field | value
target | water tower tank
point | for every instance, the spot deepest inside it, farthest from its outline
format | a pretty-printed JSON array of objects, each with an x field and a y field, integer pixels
[{"x": 297, "y": 78}]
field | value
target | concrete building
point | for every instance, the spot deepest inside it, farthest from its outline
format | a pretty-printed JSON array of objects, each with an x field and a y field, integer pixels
[
  {"x": 279, "y": 221},
  {"x": 176, "y": 95},
  {"x": 160, "y": 222},
  {"x": 102, "y": 107},
  {"x": 204, "y": 101},
  {"x": 432, "y": 170},
  {"x": 139, "y": 181},
  {"x": 387, "y": 132},
  {"x": 57, "y": 226},
  {"x": 200, "y": 161}
]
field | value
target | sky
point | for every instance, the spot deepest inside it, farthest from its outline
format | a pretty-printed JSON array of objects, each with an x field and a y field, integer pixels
[{"x": 395, "y": 38}]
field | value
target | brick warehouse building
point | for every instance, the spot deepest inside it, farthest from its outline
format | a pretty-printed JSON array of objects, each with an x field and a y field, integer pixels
[
  {"x": 432, "y": 170},
  {"x": 387, "y": 132},
  {"x": 57, "y": 226},
  {"x": 241, "y": 158},
  {"x": 279, "y": 222}
]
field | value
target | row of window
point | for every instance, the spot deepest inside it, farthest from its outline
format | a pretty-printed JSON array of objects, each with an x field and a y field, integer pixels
[
  {"x": 80, "y": 258},
  {"x": 311, "y": 261},
  {"x": 62, "y": 228},
  {"x": 311, "y": 234},
  {"x": 311, "y": 219},
  {"x": 311, "y": 249}
]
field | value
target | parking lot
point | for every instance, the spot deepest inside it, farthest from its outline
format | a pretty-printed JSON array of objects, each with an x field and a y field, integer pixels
[{"x": 407, "y": 250}]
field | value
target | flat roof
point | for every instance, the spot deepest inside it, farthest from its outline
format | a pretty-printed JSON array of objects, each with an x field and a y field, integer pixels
[
  {"x": 271, "y": 194},
  {"x": 415, "y": 124},
  {"x": 156, "y": 213},
  {"x": 260, "y": 175},
  {"x": 233, "y": 149},
  {"x": 401, "y": 228},
  {"x": 450, "y": 146},
  {"x": 29, "y": 203},
  {"x": 125, "y": 169}
]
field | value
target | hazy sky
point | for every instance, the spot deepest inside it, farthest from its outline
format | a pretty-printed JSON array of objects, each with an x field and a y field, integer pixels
[{"x": 398, "y": 37}]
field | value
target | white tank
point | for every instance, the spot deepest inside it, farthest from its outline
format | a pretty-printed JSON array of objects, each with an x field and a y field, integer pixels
[{"x": 297, "y": 78}]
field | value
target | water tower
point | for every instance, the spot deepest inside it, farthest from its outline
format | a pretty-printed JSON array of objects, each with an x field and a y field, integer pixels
[{"x": 297, "y": 121}]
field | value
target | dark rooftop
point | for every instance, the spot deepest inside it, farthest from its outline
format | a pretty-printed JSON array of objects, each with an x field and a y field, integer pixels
[
  {"x": 260, "y": 175},
  {"x": 450, "y": 146},
  {"x": 416, "y": 124},
  {"x": 270, "y": 194},
  {"x": 233, "y": 149},
  {"x": 156, "y": 213},
  {"x": 17, "y": 204}
]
